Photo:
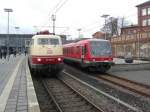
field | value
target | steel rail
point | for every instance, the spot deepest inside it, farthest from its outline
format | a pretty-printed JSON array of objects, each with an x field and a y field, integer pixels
[
  {"x": 104, "y": 93},
  {"x": 84, "y": 97},
  {"x": 128, "y": 84},
  {"x": 51, "y": 95},
  {"x": 140, "y": 84}
]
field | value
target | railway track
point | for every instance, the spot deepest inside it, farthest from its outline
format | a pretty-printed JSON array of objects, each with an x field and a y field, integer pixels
[
  {"x": 121, "y": 99},
  {"x": 45, "y": 102},
  {"x": 122, "y": 82},
  {"x": 67, "y": 99},
  {"x": 128, "y": 84}
]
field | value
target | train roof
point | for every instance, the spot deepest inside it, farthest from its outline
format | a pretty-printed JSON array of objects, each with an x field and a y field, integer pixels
[
  {"x": 83, "y": 41},
  {"x": 45, "y": 36},
  {"x": 91, "y": 39}
]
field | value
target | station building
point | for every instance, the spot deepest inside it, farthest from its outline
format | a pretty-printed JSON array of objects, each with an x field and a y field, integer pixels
[
  {"x": 135, "y": 39},
  {"x": 98, "y": 35},
  {"x": 18, "y": 42}
]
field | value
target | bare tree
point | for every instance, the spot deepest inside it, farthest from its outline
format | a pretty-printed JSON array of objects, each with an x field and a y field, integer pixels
[{"x": 113, "y": 26}]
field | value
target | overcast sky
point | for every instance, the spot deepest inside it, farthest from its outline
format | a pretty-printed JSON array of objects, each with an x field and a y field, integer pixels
[{"x": 34, "y": 15}]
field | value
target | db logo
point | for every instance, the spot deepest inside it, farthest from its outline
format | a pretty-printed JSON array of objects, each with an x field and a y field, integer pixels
[{"x": 49, "y": 51}]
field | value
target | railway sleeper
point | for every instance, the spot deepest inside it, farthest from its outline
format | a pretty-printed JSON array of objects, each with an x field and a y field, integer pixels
[
  {"x": 67, "y": 97},
  {"x": 74, "y": 104},
  {"x": 59, "y": 93},
  {"x": 60, "y": 90},
  {"x": 46, "y": 103},
  {"x": 43, "y": 107},
  {"x": 65, "y": 101},
  {"x": 46, "y": 110},
  {"x": 86, "y": 108}
]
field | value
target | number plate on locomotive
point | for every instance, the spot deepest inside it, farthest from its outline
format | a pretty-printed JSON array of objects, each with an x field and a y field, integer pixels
[{"x": 49, "y": 59}]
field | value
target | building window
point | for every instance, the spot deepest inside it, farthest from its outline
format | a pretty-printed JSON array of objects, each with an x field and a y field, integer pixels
[
  {"x": 144, "y": 12},
  {"x": 149, "y": 22},
  {"x": 144, "y": 22},
  {"x": 134, "y": 31},
  {"x": 129, "y": 32},
  {"x": 148, "y": 11}
]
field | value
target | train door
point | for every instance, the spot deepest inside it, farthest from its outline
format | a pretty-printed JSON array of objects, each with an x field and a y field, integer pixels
[
  {"x": 82, "y": 54},
  {"x": 84, "y": 51}
]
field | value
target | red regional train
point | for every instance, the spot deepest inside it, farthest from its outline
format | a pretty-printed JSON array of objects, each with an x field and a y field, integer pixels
[
  {"x": 94, "y": 54},
  {"x": 45, "y": 53}
]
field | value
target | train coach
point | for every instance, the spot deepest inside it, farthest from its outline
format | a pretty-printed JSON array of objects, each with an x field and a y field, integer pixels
[
  {"x": 45, "y": 54},
  {"x": 94, "y": 54}
]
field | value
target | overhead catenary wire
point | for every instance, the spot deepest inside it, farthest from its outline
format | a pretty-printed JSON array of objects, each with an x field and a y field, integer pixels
[
  {"x": 51, "y": 12},
  {"x": 57, "y": 7},
  {"x": 65, "y": 30},
  {"x": 61, "y": 6}
]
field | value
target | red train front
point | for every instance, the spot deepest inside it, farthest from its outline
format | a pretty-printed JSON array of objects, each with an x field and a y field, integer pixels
[{"x": 90, "y": 53}]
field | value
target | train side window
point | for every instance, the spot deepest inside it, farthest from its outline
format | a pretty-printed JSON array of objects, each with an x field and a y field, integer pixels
[
  {"x": 77, "y": 50},
  {"x": 84, "y": 49}
]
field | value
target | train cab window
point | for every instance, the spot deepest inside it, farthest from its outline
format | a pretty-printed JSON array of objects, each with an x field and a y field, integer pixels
[
  {"x": 100, "y": 48},
  {"x": 48, "y": 41},
  {"x": 54, "y": 41},
  {"x": 43, "y": 41}
]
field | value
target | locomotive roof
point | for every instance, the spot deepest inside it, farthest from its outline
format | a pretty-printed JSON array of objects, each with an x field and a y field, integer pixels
[{"x": 45, "y": 36}]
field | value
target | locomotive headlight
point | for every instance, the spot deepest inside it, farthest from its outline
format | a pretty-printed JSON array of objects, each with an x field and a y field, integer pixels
[
  {"x": 59, "y": 59},
  {"x": 93, "y": 59},
  {"x": 39, "y": 59}
]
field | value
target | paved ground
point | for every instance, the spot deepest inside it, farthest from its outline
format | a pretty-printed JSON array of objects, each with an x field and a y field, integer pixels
[
  {"x": 138, "y": 71},
  {"x": 121, "y": 61},
  {"x": 5, "y": 73},
  {"x": 141, "y": 76},
  {"x": 16, "y": 88},
  {"x": 17, "y": 91}
]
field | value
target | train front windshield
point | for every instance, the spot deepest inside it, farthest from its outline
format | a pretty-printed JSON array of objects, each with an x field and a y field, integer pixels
[
  {"x": 48, "y": 41},
  {"x": 100, "y": 48}
]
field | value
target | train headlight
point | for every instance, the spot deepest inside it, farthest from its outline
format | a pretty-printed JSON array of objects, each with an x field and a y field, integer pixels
[
  {"x": 59, "y": 59},
  {"x": 93, "y": 59},
  {"x": 39, "y": 59}
]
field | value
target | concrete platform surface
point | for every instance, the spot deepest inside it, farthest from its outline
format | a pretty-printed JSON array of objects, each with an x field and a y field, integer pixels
[
  {"x": 140, "y": 76},
  {"x": 16, "y": 88},
  {"x": 122, "y": 61}
]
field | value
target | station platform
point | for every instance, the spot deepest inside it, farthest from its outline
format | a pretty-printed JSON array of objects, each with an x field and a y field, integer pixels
[
  {"x": 120, "y": 65},
  {"x": 122, "y": 61},
  {"x": 138, "y": 71},
  {"x": 16, "y": 87},
  {"x": 17, "y": 92}
]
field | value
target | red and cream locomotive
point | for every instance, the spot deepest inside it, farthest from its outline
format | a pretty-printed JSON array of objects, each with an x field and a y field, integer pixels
[
  {"x": 90, "y": 53},
  {"x": 45, "y": 53}
]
